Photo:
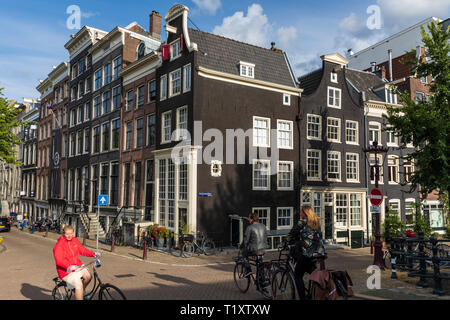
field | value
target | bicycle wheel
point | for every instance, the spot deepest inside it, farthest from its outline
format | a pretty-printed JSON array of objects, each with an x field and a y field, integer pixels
[
  {"x": 61, "y": 292},
  {"x": 243, "y": 283},
  {"x": 110, "y": 292},
  {"x": 209, "y": 247},
  {"x": 265, "y": 281},
  {"x": 283, "y": 286},
  {"x": 187, "y": 250}
]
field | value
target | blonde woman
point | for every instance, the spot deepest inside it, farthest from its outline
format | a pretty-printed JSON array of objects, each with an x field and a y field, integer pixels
[{"x": 307, "y": 237}]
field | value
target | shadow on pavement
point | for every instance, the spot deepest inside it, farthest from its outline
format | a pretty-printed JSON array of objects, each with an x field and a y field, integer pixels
[{"x": 35, "y": 293}]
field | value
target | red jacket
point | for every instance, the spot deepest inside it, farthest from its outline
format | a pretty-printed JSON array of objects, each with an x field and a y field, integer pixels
[{"x": 66, "y": 254}]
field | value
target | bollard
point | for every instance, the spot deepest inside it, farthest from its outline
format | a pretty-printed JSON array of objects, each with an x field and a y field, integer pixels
[
  {"x": 144, "y": 257},
  {"x": 371, "y": 247},
  {"x": 437, "y": 272},
  {"x": 423, "y": 266},
  {"x": 112, "y": 243}
]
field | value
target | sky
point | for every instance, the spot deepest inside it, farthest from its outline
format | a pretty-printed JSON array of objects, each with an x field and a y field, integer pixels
[{"x": 33, "y": 32}]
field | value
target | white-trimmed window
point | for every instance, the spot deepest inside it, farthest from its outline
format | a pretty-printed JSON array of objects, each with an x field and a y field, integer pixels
[
  {"x": 285, "y": 175},
  {"x": 87, "y": 111},
  {"x": 341, "y": 210},
  {"x": 333, "y": 130},
  {"x": 409, "y": 211},
  {"x": 334, "y": 97},
  {"x": 286, "y": 99},
  {"x": 355, "y": 210},
  {"x": 285, "y": 134},
  {"x": 163, "y": 85},
  {"x": 334, "y": 78},
  {"x": 352, "y": 165},
  {"x": 264, "y": 216},
  {"x": 314, "y": 129},
  {"x": 314, "y": 165},
  {"x": 175, "y": 49},
  {"x": 175, "y": 83},
  {"x": 261, "y": 174},
  {"x": 306, "y": 198},
  {"x": 117, "y": 67},
  {"x": 187, "y": 78},
  {"x": 98, "y": 79},
  {"x": 317, "y": 204},
  {"x": 166, "y": 127},
  {"x": 285, "y": 218},
  {"x": 393, "y": 169},
  {"x": 333, "y": 166},
  {"x": 261, "y": 132},
  {"x": 216, "y": 168},
  {"x": 182, "y": 123},
  {"x": 374, "y": 132},
  {"x": 351, "y": 132},
  {"x": 97, "y": 106},
  {"x": 394, "y": 206},
  {"x": 247, "y": 69},
  {"x": 392, "y": 139},
  {"x": 130, "y": 99},
  {"x": 409, "y": 169},
  {"x": 391, "y": 97}
]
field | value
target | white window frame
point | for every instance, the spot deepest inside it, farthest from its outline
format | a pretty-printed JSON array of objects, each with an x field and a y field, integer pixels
[
  {"x": 339, "y": 129},
  {"x": 356, "y": 133},
  {"x": 171, "y": 94},
  {"x": 398, "y": 202},
  {"x": 163, "y": 127},
  {"x": 408, "y": 164},
  {"x": 291, "y": 134},
  {"x": 389, "y": 134},
  {"x": 268, "y": 175},
  {"x": 397, "y": 166},
  {"x": 378, "y": 124},
  {"x": 267, "y": 209},
  {"x": 187, "y": 78},
  {"x": 333, "y": 77},
  {"x": 357, "y": 167},
  {"x": 380, "y": 163},
  {"x": 291, "y": 178},
  {"x": 255, "y": 142},
  {"x": 286, "y": 99},
  {"x": 319, "y": 178},
  {"x": 291, "y": 209},
  {"x": 163, "y": 87},
  {"x": 334, "y": 105},
  {"x": 179, "y": 137},
  {"x": 319, "y": 138},
  {"x": 339, "y": 179},
  {"x": 247, "y": 69},
  {"x": 95, "y": 79},
  {"x": 172, "y": 46}
]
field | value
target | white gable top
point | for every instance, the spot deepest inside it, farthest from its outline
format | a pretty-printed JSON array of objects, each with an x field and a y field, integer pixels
[{"x": 335, "y": 58}]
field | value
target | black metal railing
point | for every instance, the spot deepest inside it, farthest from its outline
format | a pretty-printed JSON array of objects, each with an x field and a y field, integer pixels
[{"x": 415, "y": 255}]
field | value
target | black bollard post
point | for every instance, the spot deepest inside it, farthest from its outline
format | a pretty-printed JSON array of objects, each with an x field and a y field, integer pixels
[
  {"x": 423, "y": 266},
  {"x": 394, "y": 249},
  {"x": 437, "y": 272},
  {"x": 144, "y": 257}
]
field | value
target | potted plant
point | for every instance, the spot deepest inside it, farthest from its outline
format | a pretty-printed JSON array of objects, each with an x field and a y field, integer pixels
[{"x": 161, "y": 234}]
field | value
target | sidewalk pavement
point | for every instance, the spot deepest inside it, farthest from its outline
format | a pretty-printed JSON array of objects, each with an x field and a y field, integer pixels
[{"x": 355, "y": 261}]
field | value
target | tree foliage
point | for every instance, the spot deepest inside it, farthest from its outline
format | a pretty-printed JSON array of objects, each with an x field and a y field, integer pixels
[
  {"x": 8, "y": 121},
  {"x": 426, "y": 124}
]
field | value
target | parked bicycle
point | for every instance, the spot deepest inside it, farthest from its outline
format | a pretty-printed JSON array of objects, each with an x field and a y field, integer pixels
[
  {"x": 105, "y": 291},
  {"x": 200, "y": 245},
  {"x": 283, "y": 281},
  {"x": 262, "y": 277}
]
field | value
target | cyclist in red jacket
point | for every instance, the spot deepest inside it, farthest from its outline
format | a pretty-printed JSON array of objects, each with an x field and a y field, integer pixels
[{"x": 68, "y": 264}]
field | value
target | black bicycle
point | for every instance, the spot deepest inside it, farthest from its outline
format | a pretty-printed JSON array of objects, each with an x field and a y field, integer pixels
[
  {"x": 262, "y": 278},
  {"x": 105, "y": 291},
  {"x": 200, "y": 245},
  {"x": 283, "y": 281}
]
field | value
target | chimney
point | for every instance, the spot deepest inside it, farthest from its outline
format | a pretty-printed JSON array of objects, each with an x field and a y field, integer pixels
[
  {"x": 350, "y": 52},
  {"x": 373, "y": 65},
  {"x": 155, "y": 25}
]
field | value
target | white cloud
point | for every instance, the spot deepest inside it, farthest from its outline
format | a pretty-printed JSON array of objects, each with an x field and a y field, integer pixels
[
  {"x": 88, "y": 15},
  {"x": 253, "y": 28},
  {"x": 287, "y": 36},
  {"x": 210, "y": 6}
]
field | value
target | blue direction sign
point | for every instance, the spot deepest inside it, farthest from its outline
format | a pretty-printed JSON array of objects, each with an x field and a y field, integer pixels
[
  {"x": 205, "y": 194},
  {"x": 103, "y": 200}
]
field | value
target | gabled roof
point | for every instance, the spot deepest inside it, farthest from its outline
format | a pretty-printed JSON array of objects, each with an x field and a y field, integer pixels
[
  {"x": 309, "y": 82},
  {"x": 365, "y": 82},
  {"x": 224, "y": 55}
]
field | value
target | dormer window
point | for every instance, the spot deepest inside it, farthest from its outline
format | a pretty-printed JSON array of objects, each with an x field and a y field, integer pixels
[
  {"x": 334, "y": 77},
  {"x": 247, "y": 70},
  {"x": 175, "y": 50},
  {"x": 141, "y": 50},
  {"x": 287, "y": 99},
  {"x": 390, "y": 96}
]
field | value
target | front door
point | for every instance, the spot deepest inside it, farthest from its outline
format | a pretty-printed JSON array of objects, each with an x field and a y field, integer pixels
[{"x": 328, "y": 222}]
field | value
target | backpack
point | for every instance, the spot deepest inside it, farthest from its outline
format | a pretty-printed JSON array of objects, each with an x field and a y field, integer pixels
[
  {"x": 344, "y": 284},
  {"x": 322, "y": 285}
]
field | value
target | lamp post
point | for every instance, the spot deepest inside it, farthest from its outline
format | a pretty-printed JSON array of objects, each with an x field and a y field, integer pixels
[{"x": 375, "y": 149}]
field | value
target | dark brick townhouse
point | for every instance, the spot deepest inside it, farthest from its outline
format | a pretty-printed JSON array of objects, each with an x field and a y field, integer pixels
[{"x": 224, "y": 84}]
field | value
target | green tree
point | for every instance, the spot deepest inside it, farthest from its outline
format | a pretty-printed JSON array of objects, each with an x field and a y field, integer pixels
[
  {"x": 426, "y": 124},
  {"x": 8, "y": 121}
]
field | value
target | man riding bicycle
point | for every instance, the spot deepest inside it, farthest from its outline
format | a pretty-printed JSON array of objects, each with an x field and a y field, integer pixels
[
  {"x": 308, "y": 245},
  {"x": 255, "y": 240},
  {"x": 68, "y": 264}
]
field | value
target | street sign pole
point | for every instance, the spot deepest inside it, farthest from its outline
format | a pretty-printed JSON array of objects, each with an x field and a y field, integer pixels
[{"x": 98, "y": 221}]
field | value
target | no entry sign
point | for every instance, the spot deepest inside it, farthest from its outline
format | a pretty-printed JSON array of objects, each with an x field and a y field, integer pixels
[{"x": 376, "y": 197}]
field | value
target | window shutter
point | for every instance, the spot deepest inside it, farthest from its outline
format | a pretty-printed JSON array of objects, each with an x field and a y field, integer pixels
[
  {"x": 165, "y": 52},
  {"x": 181, "y": 43}
]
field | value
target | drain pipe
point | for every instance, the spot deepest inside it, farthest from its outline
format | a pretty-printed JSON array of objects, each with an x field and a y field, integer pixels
[
  {"x": 390, "y": 65},
  {"x": 366, "y": 134}
]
